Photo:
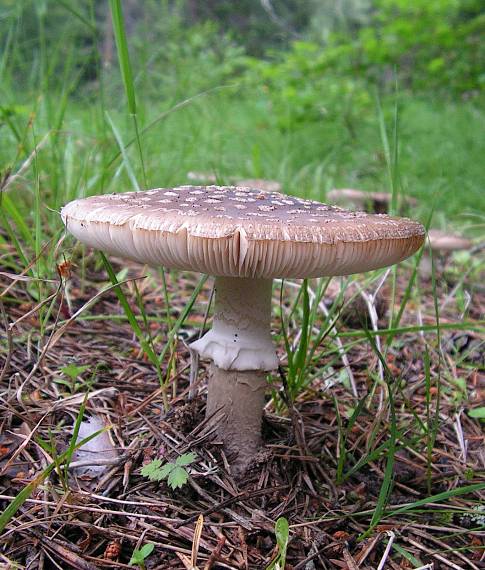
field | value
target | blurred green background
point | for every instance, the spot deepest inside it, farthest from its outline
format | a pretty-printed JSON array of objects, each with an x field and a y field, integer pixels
[{"x": 314, "y": 93}]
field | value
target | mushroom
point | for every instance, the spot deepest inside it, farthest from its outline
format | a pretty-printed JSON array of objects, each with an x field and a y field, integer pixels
[
  {"x": 377, "y": 202},
  {"x": 204, "y": 177},
  {"x": 244, "y": 237},
  {"x": 447, "y": 242},
  {"x": 261, "y": 184},
  {"x": 440, "y": 245}
]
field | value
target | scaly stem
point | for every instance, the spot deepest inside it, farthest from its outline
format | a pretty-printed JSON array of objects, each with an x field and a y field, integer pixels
[{"x": 235, "y": 402}]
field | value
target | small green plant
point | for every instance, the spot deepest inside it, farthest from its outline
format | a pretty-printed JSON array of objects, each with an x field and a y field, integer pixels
[
  {"x": 478, "y": 413},
  {"x": 139, "y": 556},
  {"x": 74, "y": 379},
  {"x": 175, "y": 473},
  {"x": 73, "y": 373},
  {"x": 458, "y": 389},
  {"x": 282, "y": 531}
]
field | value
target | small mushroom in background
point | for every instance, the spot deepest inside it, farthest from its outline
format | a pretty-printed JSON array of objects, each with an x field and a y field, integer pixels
[
  {"x": 447, "y": 242},
  {"x": 440, "y": 245},
  {"x": 245, "y": 237},
  {"x": 260, "y": 184},
  {"x": 376, "y": 202},
  {"x": 202, "y": 177}
]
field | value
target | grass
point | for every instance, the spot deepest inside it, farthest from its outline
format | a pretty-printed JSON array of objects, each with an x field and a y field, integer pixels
[
  {"x": 218, "y": 132},
  {"x": 65, "y": 138}
]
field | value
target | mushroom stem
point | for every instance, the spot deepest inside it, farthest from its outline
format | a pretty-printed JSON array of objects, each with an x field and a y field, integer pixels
[
  {"x": 240, "y": 338},
  {"x": 241, "y": 350},
  {"x": 235, "y": 402}
]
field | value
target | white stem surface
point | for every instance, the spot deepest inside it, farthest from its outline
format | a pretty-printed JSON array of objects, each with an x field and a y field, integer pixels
[{"x": 240, "y": 338}]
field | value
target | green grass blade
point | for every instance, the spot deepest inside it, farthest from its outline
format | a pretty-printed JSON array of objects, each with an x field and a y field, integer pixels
[
  {"x": 388, "y": 472},
  {"x": 126, "y": 72},
  {"x": 284, "y": 331},
  {"x": 438, "y": 498},
  {"x": 341, "y": 444},
  {"x": 11, "y": 209},
  {"x": 478, "y": 325},
  {"x": 391, "y": 158},
  {"x": 124, "y": 154},
  {"x": 183, "y": 315},
  {"x": 436, "y": 420},
  {"x": 407, "y": 555},
  {"x": 5, "y": 116},
  {"x": 131, "y": 316},
  {"x": 67, "y": 5},
  {"x": 75, "y": 432},
  {"x": 375, "y": 454},
  {"x": 13, "y": 239},
  {"x": 429, "y": 424},
  {"x": 37, "y": 208},
  {"x": 301, "y": 353},
  {"x": 386, "y": 486},
  {"x": 123, "y": 53},
  {"x": 409, "y": 287},
  {"x": 344, "y": 435}
]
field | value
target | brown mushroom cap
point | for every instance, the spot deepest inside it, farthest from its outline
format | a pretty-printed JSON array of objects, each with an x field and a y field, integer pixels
[
  {"x": 360, "y": 198},
  {"x": 205, "y": 177},
  {"x": 446, "y": 241},
  {"x": 260, "y": 184},
  {"x": 240, "y": 232}
]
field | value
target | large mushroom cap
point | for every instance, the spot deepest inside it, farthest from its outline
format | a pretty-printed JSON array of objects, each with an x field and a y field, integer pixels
[{"x": 240, "y": 232}]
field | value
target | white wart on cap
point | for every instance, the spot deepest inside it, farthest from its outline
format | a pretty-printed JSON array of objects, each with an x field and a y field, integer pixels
[{"x": 240, "y": 232}]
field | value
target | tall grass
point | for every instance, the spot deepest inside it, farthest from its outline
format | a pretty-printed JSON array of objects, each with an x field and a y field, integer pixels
[
  {"x": 230, "y": 130},
  {"x": 126, "y": 73}
]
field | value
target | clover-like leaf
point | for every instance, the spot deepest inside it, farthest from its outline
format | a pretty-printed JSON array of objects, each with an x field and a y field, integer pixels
[
  {"x": 165, "y": 471},
  {"x": 178, "y": 477},
  {"x": 175, "y": 472},
  {"x": 477, "y": 413},
  {"x": 186, "y": 459},
  {"x": 138, "y": 556},
  {"x": 152, "y": 469}
]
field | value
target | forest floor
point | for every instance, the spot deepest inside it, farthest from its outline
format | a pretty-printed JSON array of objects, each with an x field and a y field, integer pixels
[{"x": 392, "y": 478}]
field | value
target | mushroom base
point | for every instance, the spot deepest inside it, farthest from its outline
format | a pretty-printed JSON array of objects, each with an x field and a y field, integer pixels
[{"x": 235, "y": 402}]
